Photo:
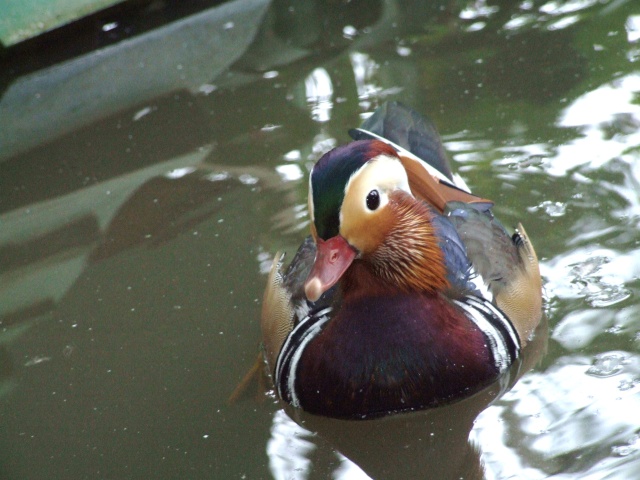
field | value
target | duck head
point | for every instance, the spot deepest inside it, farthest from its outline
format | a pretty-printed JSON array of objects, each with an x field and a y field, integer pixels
[{"x": 363, "y": 210}]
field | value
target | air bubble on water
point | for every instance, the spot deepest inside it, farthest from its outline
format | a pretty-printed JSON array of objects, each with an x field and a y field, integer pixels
[
  {"x": 626, "y": 385},
  {"x": 599, "y": 291},
  {"x": 633, "y": 446},
  {"x": 607, "y": 365},
  {"x": 608, "y": 295},
  {"x": 552, "y": 209}
]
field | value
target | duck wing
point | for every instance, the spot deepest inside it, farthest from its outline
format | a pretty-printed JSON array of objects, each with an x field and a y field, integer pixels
[
  {"x": 284, "y": 303},
  {"x": 507, "y": 263}
]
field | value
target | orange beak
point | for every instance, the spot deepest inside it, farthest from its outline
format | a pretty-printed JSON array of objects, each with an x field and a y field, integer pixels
[{"x": 333, "y": 257}]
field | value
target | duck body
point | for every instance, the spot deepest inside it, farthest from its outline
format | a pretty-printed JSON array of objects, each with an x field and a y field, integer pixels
[{"x": 409, "y": 294}]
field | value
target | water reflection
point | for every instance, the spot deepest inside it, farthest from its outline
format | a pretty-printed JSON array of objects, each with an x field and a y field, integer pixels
[
  {"x": 550, "y": 419},
  {"x": 135, "y": 233},
  {"x": 608, "y": 119},
  {"x": 319, "y": 93}
]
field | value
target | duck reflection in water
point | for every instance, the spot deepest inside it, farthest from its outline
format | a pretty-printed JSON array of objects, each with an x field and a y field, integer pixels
[{"x": 408, "y": 295}]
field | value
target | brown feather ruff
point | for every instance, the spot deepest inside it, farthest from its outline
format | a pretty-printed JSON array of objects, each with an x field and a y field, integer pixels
[{"x": 409, "y": 257}]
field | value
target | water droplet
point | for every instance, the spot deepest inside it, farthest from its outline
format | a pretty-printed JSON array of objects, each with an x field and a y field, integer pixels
[
  {"x": 476, "y": 26},
  {"x": 36, "y": 360},
  {"x": 289, "y": 172},
  {"x": 217, "y": 177},
  {"x": 553, "y": 209},
  {"x": 349, "y": 31},
  {"x": 207, "y": 88},
  {"x": 179, "y": 172},
  {"x": 247, "y": 179},
  {"x": 107, "y": 27},
  {"x": 293, "y": 155},
  {"x": 142, "y": 113}
]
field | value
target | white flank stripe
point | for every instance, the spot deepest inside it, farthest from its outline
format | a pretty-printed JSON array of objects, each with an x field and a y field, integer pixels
[
  {"x": 480, "y": 284},
  {"x": 287, "y": 341},
  {"x": 293, "y": 365},
  {"x": 491, "y": 310},
  {"x": 285, "y": 352},
  {"x": 498, "y": 345}
]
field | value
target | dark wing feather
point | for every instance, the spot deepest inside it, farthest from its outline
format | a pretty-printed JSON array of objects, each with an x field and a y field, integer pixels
[
  {"x": 411, "y": 131},
  {"x": 489, "y": 246}
]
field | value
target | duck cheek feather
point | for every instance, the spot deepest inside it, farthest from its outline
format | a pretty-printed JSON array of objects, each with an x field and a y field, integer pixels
[{"x": 382, "y": 355}]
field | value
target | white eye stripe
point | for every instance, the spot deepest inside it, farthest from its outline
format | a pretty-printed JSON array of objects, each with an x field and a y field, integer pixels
[{"x": 383, "y": 173}]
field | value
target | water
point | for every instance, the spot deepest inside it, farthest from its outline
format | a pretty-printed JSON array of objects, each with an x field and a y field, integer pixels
[{"x": 137, "y": 223}]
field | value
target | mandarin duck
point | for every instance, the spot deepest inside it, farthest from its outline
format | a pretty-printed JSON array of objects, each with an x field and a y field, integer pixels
[{"x": 408, "y": 294}]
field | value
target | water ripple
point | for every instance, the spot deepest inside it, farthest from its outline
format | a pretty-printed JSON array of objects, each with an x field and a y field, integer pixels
[{"x": 549, "y": 418}]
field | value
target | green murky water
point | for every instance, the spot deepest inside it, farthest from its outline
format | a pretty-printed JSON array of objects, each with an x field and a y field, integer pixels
[{"x": 144, "y": 189}]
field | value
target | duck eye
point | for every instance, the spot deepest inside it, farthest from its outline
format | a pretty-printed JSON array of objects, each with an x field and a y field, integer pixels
[{"x": 373, "y": 200}]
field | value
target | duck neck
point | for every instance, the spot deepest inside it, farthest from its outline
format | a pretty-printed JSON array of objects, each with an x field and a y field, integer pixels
[{"x": 361, "y": 280}]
